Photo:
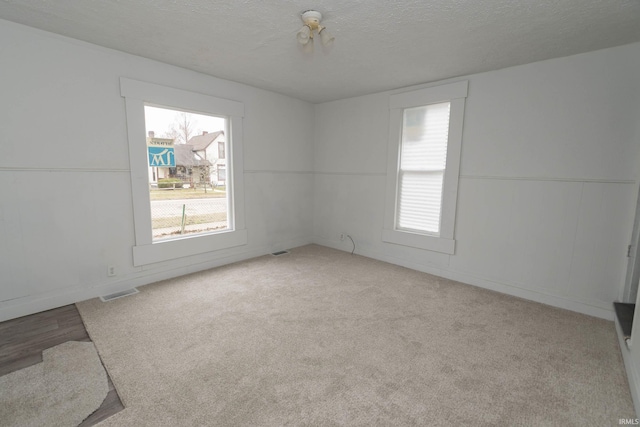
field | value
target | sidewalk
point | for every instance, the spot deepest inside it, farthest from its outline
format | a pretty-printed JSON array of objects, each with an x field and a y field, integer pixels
[{"x": 189, "y": 229}]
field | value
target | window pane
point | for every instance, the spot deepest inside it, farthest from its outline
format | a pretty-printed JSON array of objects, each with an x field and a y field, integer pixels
[
  {"x": 425, "y": 133},
  {"x": 419, "y": 203},
  {"x": 423, "y": 158},
  {"x": 186, "y": 194},
  {"x": 222, "y": 175}
]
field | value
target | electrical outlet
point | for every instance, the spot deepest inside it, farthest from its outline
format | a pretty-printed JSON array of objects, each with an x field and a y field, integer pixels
[
  {"x": 111, "y": 270},
  {"x": 342, "y": 236}
]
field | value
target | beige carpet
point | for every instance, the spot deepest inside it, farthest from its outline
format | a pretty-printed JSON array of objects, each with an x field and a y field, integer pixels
[
  {"x": 64, "y": 389},
  {"x": 322, "y": 338}
]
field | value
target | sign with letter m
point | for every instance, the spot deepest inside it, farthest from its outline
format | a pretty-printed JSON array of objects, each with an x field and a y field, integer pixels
[{"x": 162, "y": 157}]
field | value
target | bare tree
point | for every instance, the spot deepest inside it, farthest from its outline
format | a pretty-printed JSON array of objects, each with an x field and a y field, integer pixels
[
  {"x": 172, "y": 134},
  {"x": 183, "y": 128},
  {"x": 205, "y": 176}
]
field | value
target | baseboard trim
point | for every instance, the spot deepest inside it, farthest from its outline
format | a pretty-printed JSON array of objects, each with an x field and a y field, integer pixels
[
  {"x": 25, "y": 306},
  {"x": 504, "y": 288},
  {"x": 33, "y": 304}
]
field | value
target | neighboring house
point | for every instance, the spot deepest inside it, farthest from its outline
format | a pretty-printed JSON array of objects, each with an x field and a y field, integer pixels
[
  {"x": 190, "y": 167},
  {"x": 211, "y": 147},
  {"x": 191, "y": 160}
]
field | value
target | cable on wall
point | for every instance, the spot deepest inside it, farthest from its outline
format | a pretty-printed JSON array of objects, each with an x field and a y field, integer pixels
[{"x": 354, "y": 244}]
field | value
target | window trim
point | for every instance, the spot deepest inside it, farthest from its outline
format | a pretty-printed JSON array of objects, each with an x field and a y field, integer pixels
[
  {"x": 145, "y": 250},
  {"x": 456, "y": 94}
]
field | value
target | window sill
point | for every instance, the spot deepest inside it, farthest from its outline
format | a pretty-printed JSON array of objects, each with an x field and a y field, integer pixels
[
  {"x": 188, "y": 246},
  {"x": 420, "y": 241}
]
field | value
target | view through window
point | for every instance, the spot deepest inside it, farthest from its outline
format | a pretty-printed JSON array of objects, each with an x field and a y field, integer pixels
[{"x": 186, "y": 163}]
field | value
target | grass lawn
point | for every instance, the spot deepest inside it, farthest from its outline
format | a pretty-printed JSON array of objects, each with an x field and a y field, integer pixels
[{"x": 187, "y": 193}]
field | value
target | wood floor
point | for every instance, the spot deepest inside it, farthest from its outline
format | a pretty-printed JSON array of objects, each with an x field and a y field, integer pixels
[{"x": 22, "y": 341}]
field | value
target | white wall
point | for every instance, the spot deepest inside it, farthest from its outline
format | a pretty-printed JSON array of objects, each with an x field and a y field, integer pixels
[
  {"x": 549, "y": 177},
  {"x": 65, "y": 193},
  {"x": 549, "y": 174}
]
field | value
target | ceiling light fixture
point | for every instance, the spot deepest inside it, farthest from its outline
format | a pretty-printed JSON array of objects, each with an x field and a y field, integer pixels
[{"x": 311, "y": 19}]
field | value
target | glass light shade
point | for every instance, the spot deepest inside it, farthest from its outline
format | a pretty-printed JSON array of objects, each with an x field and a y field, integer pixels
[
  {"x": 327, "y": 39},
  {"x": 308, "y": 48},
  {"x": 304, "y": 35}
]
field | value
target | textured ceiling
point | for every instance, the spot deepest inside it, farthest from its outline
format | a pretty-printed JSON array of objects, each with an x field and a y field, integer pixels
[{"x": 380, "y": 44}]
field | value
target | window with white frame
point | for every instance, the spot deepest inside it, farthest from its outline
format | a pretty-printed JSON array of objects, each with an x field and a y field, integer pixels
[
  {"x": 183, "y": 198},
  {"x": 424, "y": 161},
  {"x": 149, "y": 247}
]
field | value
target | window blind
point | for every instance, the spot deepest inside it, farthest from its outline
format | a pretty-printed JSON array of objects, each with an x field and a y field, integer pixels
[{"x": 423, "y": 159}]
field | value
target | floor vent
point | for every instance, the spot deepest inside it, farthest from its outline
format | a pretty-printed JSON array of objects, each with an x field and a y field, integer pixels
[
  {"x": 119, "y": 295},
  {"x": 280, "y": 253}
]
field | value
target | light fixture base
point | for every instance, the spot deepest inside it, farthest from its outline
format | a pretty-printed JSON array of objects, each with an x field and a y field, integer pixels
[{"x": 311, "y": 16}]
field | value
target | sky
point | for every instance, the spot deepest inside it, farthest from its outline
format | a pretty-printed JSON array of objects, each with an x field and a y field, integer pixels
[{"x": 160, "y": 121}]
